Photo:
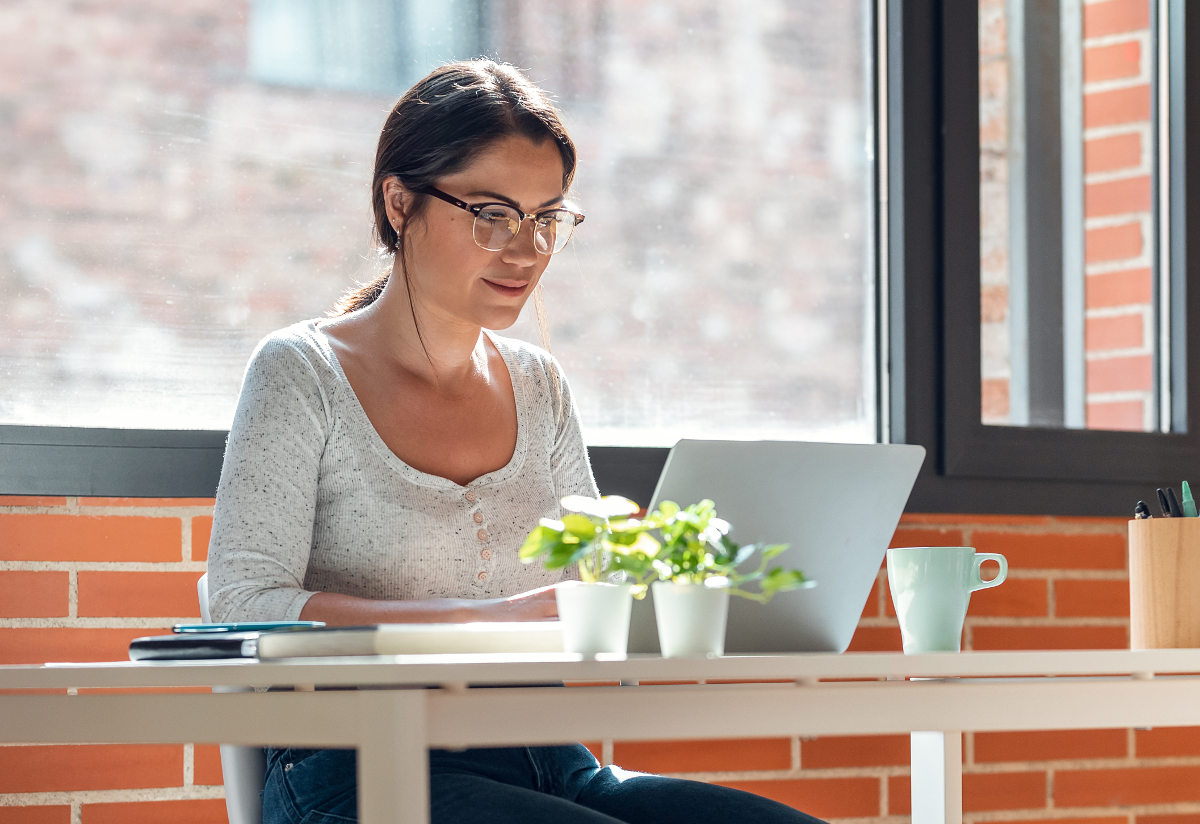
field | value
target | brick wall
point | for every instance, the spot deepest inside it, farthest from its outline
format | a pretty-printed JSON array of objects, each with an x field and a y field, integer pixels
[
  {"x": 1119, "y": 219},
  {"x": 79, "y": 577}
]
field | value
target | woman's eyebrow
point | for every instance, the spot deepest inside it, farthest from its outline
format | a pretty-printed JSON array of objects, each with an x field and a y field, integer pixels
[{"x": 512, "y": 202}]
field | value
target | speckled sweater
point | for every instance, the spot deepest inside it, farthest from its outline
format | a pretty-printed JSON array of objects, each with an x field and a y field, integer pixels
[{"x": 312, "y": 500}]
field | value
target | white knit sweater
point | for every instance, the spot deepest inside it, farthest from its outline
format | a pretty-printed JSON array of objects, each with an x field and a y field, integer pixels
[{"x": 312, "y": 500}]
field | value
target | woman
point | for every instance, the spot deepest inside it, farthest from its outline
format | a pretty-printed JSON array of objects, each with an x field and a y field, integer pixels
[{"x": 386, "y": 464}]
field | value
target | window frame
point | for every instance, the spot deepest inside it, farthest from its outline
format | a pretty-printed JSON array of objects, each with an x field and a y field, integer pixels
[
  {"x": 971, "y": 467},
  {"x": 927, "y": 327}
]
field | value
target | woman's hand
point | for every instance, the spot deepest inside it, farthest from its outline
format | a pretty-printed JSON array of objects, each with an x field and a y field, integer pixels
[{"x": 534, "y": 605}]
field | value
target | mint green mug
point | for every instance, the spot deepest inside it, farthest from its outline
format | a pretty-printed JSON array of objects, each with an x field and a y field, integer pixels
[{"x": 931, "y": 588}]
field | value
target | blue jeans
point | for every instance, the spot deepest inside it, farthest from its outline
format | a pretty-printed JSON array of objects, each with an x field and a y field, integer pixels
[{"x": 513, "y": 785}]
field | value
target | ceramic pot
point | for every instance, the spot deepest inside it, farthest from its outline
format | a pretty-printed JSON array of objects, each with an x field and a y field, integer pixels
[
  {"x": 594, "y": 617},
  {"x": 691, "y": 618}
]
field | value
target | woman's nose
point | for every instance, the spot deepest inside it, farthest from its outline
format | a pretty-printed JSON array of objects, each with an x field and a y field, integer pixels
[{"x": 521, "y": 249}]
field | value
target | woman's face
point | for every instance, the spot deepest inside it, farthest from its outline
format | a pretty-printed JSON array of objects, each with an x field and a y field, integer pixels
[{"x": 456, "y": 280}]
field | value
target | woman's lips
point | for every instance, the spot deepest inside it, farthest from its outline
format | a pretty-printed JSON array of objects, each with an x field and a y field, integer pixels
[{"x": 510, "y": 288}]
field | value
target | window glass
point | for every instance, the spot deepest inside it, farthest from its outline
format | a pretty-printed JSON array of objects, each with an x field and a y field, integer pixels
[
  {"x": 182, "y": 178},
  {"x": 1069, "y": 188}
]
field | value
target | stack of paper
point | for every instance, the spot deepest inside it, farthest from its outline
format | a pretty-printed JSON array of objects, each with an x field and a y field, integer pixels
[{"x": 414, "y": 639}]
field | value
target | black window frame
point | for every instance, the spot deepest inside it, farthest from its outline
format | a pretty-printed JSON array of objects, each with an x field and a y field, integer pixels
[
  {"x": 971, "y": 467},
  {"x": 928, "y": 325}
]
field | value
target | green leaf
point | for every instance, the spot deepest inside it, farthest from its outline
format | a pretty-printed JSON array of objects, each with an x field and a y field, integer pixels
[
  {"x": 781, "y": 580},
  {"x": 540, "y": 541},
  {"x": 581, "y": 526},
  {"x": 646, "y": 545},
  {"x": 773, "y": 550},
  {"x": 558, "y": 557},
  {"x": 742, "y": 553},
  {"x": 581, "y": 552},
  {"x": 638, "y": 566}
]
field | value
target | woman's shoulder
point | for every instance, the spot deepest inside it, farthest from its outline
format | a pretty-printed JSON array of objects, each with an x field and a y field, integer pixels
[
  {"x": 301, "y": 341},
  {"x": 299, "y": 351}
]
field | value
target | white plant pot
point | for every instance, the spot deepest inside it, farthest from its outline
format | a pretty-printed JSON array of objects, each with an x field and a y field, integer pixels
[
  {"x": 691, "y": 618},
  {"x": 594, "y": 617}
]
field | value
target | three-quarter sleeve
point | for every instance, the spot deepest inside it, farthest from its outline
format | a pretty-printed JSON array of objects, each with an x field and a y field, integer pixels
[
  {"x": 569, "y": 464},
  {"x": 266, "y": 501}
]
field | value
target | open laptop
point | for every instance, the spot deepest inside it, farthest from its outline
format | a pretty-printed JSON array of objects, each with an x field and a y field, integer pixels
[{"x": 836, "y": 505}]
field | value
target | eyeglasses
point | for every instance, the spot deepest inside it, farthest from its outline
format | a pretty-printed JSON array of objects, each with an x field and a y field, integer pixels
[{"x": 496, "y": 224}]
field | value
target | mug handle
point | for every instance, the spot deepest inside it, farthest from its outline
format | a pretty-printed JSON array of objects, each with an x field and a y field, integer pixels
[{"x": 980, "y": 557}]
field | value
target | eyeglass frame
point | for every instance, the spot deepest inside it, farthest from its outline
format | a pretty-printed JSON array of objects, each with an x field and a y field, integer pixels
[{"x": 479, "y": 207}]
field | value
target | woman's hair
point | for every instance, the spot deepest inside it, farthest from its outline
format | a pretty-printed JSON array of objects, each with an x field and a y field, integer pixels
[{"x": 436, "y": 129}]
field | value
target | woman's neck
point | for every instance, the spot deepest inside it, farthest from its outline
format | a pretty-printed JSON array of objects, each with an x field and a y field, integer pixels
[{"x": 431, "y": 346}]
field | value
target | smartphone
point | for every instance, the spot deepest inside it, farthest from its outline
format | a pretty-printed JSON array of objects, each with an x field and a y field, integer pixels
[{"x": 247, "y": 626}]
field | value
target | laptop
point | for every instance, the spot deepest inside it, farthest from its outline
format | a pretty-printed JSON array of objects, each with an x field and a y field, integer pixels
[{"x": 836, "y": 505}]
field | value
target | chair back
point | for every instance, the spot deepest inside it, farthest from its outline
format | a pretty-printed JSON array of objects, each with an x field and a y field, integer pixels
[
  {"x": 202, "y": 593},
  {"x": 243, "y": 769}
]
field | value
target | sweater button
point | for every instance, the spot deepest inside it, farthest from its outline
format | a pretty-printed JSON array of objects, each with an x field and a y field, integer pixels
[
  {"x": 478, "y": 517},
  {"x": 482, "y": 535},
  {"x": 470, "y": 496},
  {"x": 486, "y": 555},
  {"x": 483, "y": 576}
]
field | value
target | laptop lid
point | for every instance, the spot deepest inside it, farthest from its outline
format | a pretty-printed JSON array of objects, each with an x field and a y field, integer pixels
[{"x": 836, "y": 505}]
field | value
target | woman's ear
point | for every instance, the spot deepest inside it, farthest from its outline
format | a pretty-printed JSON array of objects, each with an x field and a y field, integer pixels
[{"x": 397, "y": 200}]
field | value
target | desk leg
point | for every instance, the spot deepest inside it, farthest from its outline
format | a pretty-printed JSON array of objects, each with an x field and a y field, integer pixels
[
  {"x": 936, "y": 760},
  {"x": 393, "y": 758}
]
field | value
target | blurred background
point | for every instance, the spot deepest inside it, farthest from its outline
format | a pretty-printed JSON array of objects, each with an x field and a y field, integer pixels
[{"x": 178, "y": 178}]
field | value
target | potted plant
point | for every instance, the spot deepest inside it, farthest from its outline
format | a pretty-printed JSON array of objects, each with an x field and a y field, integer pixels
[
  {"x": 696, "y": 568},
  {"x": 603, "y": 538}
]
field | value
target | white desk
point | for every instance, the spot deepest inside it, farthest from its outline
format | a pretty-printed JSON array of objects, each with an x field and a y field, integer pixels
[{"x": 393, "y": 724}]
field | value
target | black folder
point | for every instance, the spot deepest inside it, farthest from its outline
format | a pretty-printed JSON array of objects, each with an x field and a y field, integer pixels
[{"x": 194, "y": 646}]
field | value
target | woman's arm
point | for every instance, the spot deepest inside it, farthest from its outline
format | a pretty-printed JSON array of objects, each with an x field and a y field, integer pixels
[
  {"x": 347, "y": 610},
  {"x": 266, "y": 500}
]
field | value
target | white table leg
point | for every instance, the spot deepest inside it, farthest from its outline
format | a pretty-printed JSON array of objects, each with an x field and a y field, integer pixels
[
  {"x": 393, "y": 758},
  {"x": 936, "y": 761}
]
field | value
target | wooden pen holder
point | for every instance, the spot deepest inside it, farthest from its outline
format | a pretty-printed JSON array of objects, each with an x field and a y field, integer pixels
[{"x": 1164, "y": 583}]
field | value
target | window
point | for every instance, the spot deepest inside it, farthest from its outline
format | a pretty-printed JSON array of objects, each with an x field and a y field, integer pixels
[
  {"x": 159, "y": 221},
  {"x": 1076, "y": 180},
  {"x": 187, "y": 179},
  {"x": 1037, "y": 468}
]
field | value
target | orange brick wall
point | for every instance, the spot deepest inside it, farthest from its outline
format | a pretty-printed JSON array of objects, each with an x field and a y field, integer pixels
[
  {"x": 1119, "y": 153},
  {"x": 79, "y": 577},
  {"x": 1118, "y": 214}
]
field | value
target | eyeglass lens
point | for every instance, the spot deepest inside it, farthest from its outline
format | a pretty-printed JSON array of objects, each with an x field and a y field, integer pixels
[{"x": 496, "y": 226}]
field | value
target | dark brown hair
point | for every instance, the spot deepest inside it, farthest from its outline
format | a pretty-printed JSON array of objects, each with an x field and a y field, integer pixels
[{"x": 437, "y": 128}]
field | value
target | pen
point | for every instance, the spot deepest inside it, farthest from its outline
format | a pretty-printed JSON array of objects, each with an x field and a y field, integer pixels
[
  {"x": 1141, "y": 511},
  {"x": 1163, "y": 505},
  {"x": 1189, "y": 503},
  {"x": 1173, "y": 503}
]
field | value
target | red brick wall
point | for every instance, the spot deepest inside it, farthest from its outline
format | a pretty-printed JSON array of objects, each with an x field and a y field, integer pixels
[
  {"x": 1118, "y": 214},
  {"x": 79, "y": 577},
  {"x": 1119, "y": 223}
]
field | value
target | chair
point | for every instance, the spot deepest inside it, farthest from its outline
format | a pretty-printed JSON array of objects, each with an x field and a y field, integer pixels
[{"x": 244, "y": 769}]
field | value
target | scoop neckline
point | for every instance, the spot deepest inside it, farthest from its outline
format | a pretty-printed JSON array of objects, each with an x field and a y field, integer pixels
[{"x": 360, "y": 419}]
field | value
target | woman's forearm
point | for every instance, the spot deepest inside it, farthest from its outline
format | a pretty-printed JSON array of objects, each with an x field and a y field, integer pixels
[{"x": 347, "y": 610}]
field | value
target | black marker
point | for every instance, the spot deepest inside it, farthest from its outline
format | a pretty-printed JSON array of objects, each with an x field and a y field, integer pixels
[
  {"x": 1163, "y": 505},
  {"x": 1173, "y": 502}
]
